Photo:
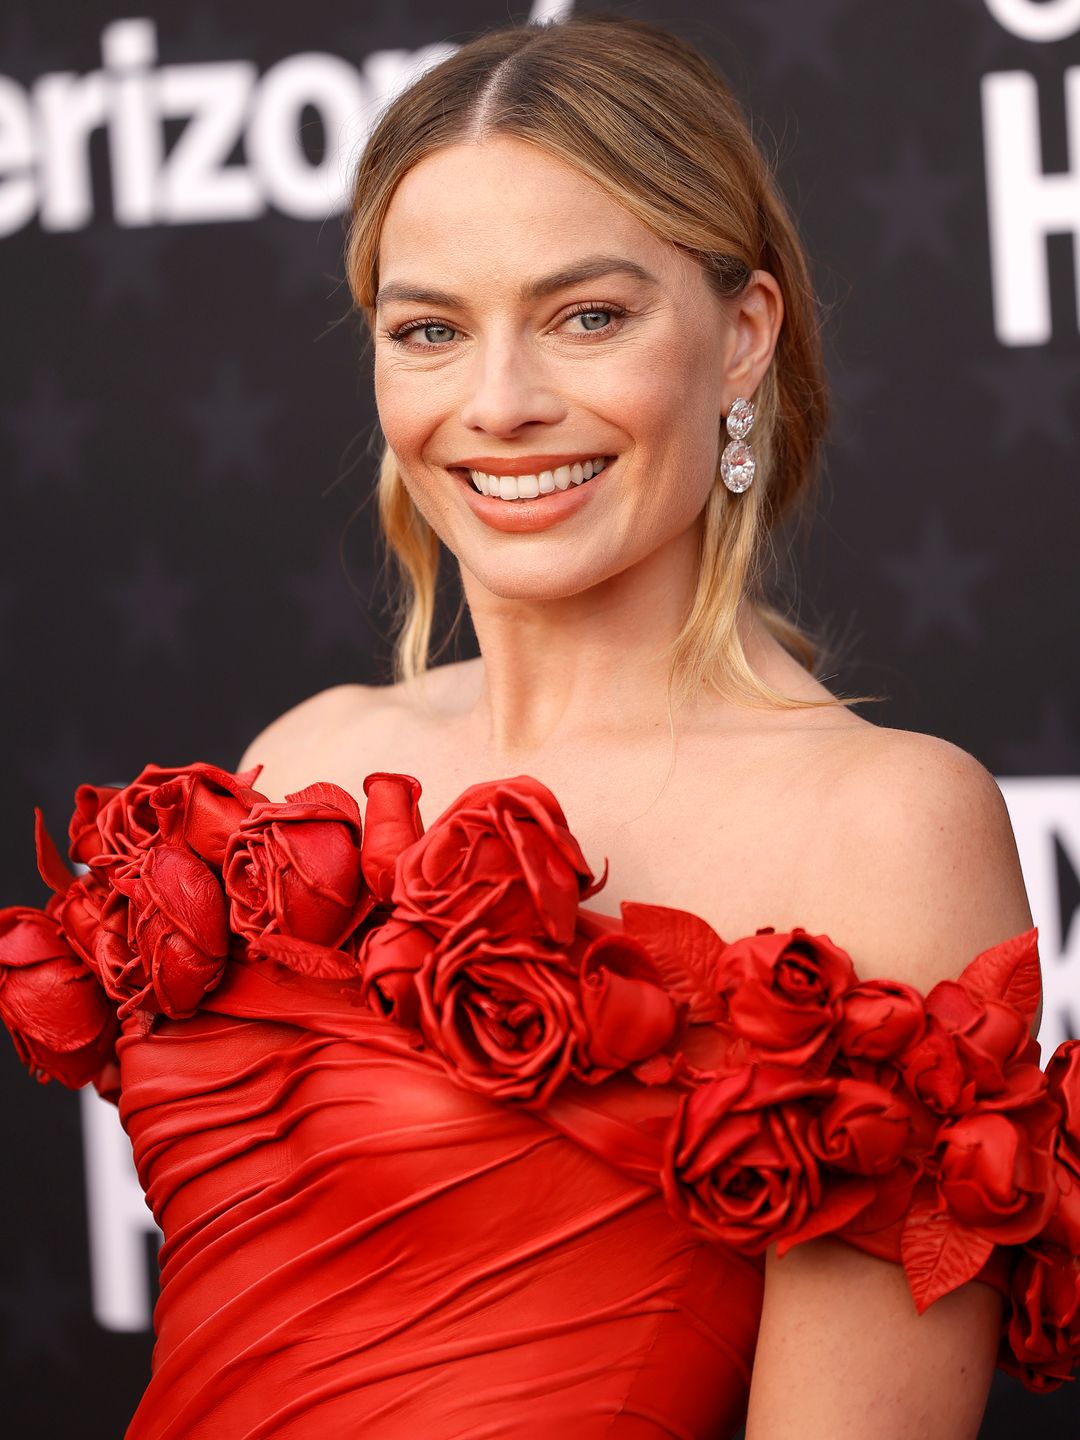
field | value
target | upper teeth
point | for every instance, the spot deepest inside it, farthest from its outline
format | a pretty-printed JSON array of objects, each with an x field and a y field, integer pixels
[{"x": 528, "y": 487}]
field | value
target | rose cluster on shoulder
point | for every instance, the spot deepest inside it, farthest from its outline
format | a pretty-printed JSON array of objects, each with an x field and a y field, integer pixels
[{"x": 920, "y": 1128}]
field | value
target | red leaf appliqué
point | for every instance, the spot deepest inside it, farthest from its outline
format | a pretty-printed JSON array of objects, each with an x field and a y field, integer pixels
[
  {"x": 51, "y": 867},
  {"x": 1009, "y": 972},
  {"x": 319, "y": 962},
  {"x": 685, "y": 950},
  {"x": 938, "y": 1254}
]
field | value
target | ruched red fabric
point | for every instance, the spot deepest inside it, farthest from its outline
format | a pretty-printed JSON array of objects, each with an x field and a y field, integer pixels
[
  {"x": 355, "y": 1245},
  {"x": 437, "y": 1150}
]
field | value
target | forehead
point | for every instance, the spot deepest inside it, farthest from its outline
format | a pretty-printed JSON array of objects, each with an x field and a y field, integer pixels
[{"x": 502, "y": 208}]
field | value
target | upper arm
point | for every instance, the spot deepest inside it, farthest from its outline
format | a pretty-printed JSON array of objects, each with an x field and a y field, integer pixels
[
  {"x": 927, "y": 877},
  {"x": 842, "y": 1352}
]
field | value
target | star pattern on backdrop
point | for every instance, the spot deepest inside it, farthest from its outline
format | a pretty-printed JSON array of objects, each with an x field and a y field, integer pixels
[
  {"x": 37, "y": 1311},
  {"x": 152, "y": 602},
  {"x": 332, "y": 601},
  {"x": 49, "y": 429},
  {"x": 938, "y": 582},
  {"x": 1052, "y": 747},
  {"x": 1036, "y": 395},
  {"x": 914, "y": 203},
  {"x": 126, "y": 264},
  {"x": 231, "y": 420},
  {"x": 797, "y": 35},
  {"x": 107, "y": 307}
]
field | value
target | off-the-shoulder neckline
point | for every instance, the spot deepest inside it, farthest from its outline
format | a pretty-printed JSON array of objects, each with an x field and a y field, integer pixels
[{"x": 1028, "y": 935}]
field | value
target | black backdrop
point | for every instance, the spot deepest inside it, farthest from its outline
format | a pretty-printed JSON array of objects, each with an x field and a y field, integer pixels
[{"x": 185, "y": 426}]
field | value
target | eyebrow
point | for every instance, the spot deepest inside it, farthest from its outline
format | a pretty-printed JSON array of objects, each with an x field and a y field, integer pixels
[{"x": 593, "y": 267}]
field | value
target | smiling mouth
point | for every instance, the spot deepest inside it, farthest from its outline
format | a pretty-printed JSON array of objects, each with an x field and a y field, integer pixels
[{"x": 531, "y": 487}]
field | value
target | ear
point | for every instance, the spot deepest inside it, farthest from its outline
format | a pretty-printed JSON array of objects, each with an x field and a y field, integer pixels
[{"x": 756, "y": 317}]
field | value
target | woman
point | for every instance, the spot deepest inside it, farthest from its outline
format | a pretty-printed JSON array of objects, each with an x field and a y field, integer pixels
[{"x": 438, "y": 1148}]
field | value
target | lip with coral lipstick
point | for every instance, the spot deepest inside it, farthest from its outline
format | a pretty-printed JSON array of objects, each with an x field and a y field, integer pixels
[{"x": 529, "y": 492}]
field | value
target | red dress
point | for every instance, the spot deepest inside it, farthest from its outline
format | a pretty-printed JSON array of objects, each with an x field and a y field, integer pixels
[{"x": 439, "y": 1151}]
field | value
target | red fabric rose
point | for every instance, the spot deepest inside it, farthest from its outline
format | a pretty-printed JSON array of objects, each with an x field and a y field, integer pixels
[
  {"x": 932, "y": 1070},
  {"x": 989, "y": 1180},
  {"x": 78, "y": 909},
  {"x": 505, "y": 1014},
  {"x": 862, "y": 1129},
  {"x": 83, "y": 833},
  {"x": 1063, "y": 1081},
  {"x": 60, "y": 1020},
  {"x": 513, "y": 1017},
  {"x": 162, "y": 939},
  {"x": 628, "y": 1014},
  {"x": 994, "y": 1171},
  {"x": 1041, "y": 1344},
  {"x": 204, "y": 802},
  {"x": 391, "y": 824},
  {"x": 879, "y": 1019},
  {"x": 500, "y": 857},
  {"x": 293, "y": 869},
  {"x": 389, "y": 958},
  {"x": 994, "y": 1046},
  {"x": 200, "y": 808},
  {"x": 739, "y": 1163},
  {"x": 782, "y": 993}
]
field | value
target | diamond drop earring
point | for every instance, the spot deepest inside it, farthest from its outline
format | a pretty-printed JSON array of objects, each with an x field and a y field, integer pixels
[{"x": 738, "y": 462}]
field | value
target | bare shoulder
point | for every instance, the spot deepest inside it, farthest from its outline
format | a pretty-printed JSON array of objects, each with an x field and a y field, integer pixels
[
  {"x": 321, "y": 737},
  {"x": 301, "y": 733},
  {"x": 922, "y": 875},
  {"x": 926, "y": 868},
  {"x": 906, "y": 778}
]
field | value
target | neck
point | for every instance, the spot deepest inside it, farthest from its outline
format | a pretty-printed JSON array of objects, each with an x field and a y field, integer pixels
[{"x": 591, "y": 666}]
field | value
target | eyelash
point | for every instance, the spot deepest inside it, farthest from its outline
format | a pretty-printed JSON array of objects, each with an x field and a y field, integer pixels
[{"x": 617, "y": 312}]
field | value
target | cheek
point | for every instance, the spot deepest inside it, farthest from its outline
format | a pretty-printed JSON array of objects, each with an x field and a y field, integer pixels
[
  {"x": 670, "y": 400},
  {"x": 403, "y": 407},
  {"x": 409, "y": 416},
  {"x": 680, "y": 435}
]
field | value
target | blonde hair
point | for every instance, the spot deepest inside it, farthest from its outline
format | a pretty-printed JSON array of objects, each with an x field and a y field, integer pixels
[{"x": 651, "y": 122}]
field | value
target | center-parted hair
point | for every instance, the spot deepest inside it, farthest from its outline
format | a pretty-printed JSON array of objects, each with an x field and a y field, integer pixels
[{"x": 654, "y": 124}]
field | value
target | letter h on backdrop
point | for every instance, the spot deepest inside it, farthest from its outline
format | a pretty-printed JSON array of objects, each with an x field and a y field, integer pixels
[{"x": 1025, "y": 204}]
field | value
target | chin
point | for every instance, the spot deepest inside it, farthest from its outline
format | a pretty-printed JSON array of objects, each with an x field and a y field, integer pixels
[{"x": 546, "y": 582}]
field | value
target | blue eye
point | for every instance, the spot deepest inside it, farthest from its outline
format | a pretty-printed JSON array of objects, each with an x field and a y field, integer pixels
[
  {"x": 597, "y": 319},
  {"x": 435, "y": 333}
]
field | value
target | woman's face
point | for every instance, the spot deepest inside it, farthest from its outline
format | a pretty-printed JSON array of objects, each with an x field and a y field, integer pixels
[{"x": 526, "y": 325}]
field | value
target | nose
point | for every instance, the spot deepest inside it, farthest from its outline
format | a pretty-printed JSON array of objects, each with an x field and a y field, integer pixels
[{"x": 508, "y": 388}]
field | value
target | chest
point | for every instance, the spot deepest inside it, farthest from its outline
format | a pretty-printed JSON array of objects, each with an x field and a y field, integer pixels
[{"x": 733, "y": 837}]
